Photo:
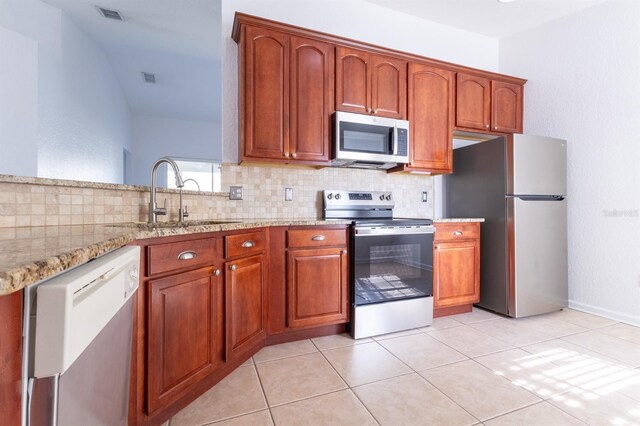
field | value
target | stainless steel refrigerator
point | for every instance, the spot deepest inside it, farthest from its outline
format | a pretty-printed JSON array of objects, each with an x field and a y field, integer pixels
[{"x": 519, "y": 185}]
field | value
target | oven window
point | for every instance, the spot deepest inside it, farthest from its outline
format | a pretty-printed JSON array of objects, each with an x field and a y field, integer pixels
[
  {"x": 366, "y": 138},
  {"x": 390, "y": 268}
]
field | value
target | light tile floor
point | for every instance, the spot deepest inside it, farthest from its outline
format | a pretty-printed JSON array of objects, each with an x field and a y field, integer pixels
[{"x": 564, "y": 368}]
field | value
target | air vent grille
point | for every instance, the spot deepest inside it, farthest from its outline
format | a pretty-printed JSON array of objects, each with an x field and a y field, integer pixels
[
  {"x": 149, "y": 77},
  {"x": 110, "y": 13}
]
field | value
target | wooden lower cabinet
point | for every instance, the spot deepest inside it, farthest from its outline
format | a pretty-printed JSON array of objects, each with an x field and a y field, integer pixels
[
  {"x": 456, "y": 268},
  {"x": 317, "y": 287},
  {"x": 11, "y": 358},
  {"x": 245, "y": 288},
  {"x": 185, "y": 334}
]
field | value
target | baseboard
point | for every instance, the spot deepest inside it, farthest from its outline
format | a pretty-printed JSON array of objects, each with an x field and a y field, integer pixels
[{"x": 590, "y": 309}]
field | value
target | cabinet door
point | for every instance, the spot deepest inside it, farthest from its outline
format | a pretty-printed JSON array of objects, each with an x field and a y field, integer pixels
[
  {"x": 244, "y": 285},
  {"x": 185, "y": 334},
  {"x": 456, "y": 273},
  {"x": 473, "y": 102},
  {"x": 353, "y": 80},
  {"x": 312, "y": 80},
  {"x": 265, "y": 109},
  {"x": 431, "y": 92},
  {"x": 317, "y": 287},
  {"x": 506, "y": 107},
  {"x": 388, "y": 87}
]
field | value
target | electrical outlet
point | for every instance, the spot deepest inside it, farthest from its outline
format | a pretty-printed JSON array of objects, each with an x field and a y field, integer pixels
[
  {"x": 235, "y": 193},
  {"x": 424, "y": 196},
  {"x": 288, "y": 194}
]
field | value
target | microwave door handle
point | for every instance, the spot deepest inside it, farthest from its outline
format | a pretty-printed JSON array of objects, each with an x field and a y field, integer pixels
[{"x": 394, "y": 141}]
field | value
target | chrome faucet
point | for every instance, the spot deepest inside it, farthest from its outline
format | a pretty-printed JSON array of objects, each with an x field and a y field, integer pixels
[
  {"x": 154, "y": 210},
  {"x": 182, "y": 213}
]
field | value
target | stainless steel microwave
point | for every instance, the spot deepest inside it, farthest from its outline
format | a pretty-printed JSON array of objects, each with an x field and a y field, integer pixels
[{"x": 369, "y": 142}]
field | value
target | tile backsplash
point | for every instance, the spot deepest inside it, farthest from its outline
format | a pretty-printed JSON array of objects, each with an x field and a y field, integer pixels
[{"x": 39, "y": 202}]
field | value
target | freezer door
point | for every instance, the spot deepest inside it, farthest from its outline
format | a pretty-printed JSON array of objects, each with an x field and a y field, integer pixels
[
  {"x": 538, "y": 256},
  {"x": 538, "y": 166}
]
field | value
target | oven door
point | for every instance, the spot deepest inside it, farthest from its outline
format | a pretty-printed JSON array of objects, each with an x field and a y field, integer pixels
[{"x": 392, "y": 265}]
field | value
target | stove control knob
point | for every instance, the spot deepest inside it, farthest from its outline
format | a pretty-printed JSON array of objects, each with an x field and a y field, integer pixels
[
  {"x": 388, "y": 197},
  {"x": 382, "y": 197},
  {"x": 329, "y": 196},
  {"x": 337, "y": 196}
]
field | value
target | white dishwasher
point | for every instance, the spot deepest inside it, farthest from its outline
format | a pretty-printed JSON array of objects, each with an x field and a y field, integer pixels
[{"x": 77, "y": 341}]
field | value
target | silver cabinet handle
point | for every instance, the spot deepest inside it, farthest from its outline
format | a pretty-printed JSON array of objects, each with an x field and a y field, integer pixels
[
  {"x": 232, "y": 267},
  {"x": 344, "y": 252},
  {"x": 248, "y": 244},
  {"x": 317, "y": 238},
  {"x": 495, "y": 127},
  {"x": 216, "y": 272},
  {"x": 487, "y": 126},
  {"x": 187, "y": 254},
  {"x": 457, "y": 233},
  {"x": 294, "y": 155}
]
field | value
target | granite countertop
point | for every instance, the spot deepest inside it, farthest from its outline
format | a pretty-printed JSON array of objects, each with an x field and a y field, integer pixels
[
  {"x": 459, "y": 220},
  {"x": 31, "y": 254}
]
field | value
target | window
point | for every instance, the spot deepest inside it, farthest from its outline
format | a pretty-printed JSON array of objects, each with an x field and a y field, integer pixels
[{"x": 205, "y": 173}]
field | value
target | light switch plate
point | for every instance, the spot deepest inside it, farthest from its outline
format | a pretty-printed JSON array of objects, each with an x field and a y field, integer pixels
[
  {"x": 424, "y": 196},
  {"x": 288, "y": 194},
  {"x": 235, "y": 193}
]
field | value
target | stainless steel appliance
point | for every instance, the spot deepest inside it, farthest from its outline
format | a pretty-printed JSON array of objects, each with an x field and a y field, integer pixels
[
  {"x": 369, "y": 142},
  {"x": 77, "y": 345},
  {"x": 519, "y": 185},
  {"x": 392, "y": 263}
]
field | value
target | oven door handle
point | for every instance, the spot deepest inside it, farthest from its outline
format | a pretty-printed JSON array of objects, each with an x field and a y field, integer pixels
[{"x": 367, "y": 232}]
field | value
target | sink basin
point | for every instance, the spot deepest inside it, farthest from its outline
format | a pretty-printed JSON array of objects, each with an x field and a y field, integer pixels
[{"x": 145, "y": 225}]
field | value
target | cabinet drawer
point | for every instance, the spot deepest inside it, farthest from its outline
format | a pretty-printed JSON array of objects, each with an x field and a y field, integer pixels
[
  {"x": 316, "y": 237},
  {"x": 454, "y": 231},
  {"x": 185, "y": 254},
  {"x": 244, "y": 244}
]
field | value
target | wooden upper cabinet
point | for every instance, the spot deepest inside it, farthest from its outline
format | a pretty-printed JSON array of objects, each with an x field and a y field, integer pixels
[
  {"x": 473, "y": 102},
  {"x": 288, "y": 97},
  {"x": 353, "y": 80},
  {"x": 431, "y": 109},
  {"x": 388, "y": 87},
  {"x": 265, "y": 107},
  {"x": 185, "y": 334},
  {"x": 312, "y": 99},
  {"x": 367, "y": 83},
  {"x": 506, "y": 107},
  {"x": 486, "y": 104}
]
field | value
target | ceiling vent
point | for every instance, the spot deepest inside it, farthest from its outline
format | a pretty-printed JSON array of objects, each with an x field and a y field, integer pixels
[
  {"x": 109, "y": 13},
  {"x": 149, "y": 77}
]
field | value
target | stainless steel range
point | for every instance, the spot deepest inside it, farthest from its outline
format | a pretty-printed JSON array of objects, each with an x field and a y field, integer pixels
[{"x": 392, "y": 263}]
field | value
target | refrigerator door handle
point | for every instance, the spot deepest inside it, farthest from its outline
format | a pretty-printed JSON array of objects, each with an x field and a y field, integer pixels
[{"x": 538, "y": 197}]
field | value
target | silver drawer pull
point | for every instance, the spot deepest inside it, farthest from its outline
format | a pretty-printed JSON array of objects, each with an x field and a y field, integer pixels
[
  {"x": 457, "y": 233},
  {"x": 317, "y": 238},
  {"x": 188, "y": 254},
  {"x": 233, "y": 267},
  {"x": 216, "y": 272},
  {"x": 248, "y": 244}
]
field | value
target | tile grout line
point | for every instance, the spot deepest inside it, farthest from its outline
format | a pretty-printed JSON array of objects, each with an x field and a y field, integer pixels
[
  {"x": 348, "y": 385},
  {"x": 264, "y": 394}
]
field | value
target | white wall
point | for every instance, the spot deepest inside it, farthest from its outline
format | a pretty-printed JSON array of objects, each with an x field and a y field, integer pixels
[
  {"x": 155, "y": 137},
  {"x": 354, "y": 19},
  {"x": 584, "y": 86},
  {"x": 82, "y": 116},
  {"x": 19, "y": 117}
]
